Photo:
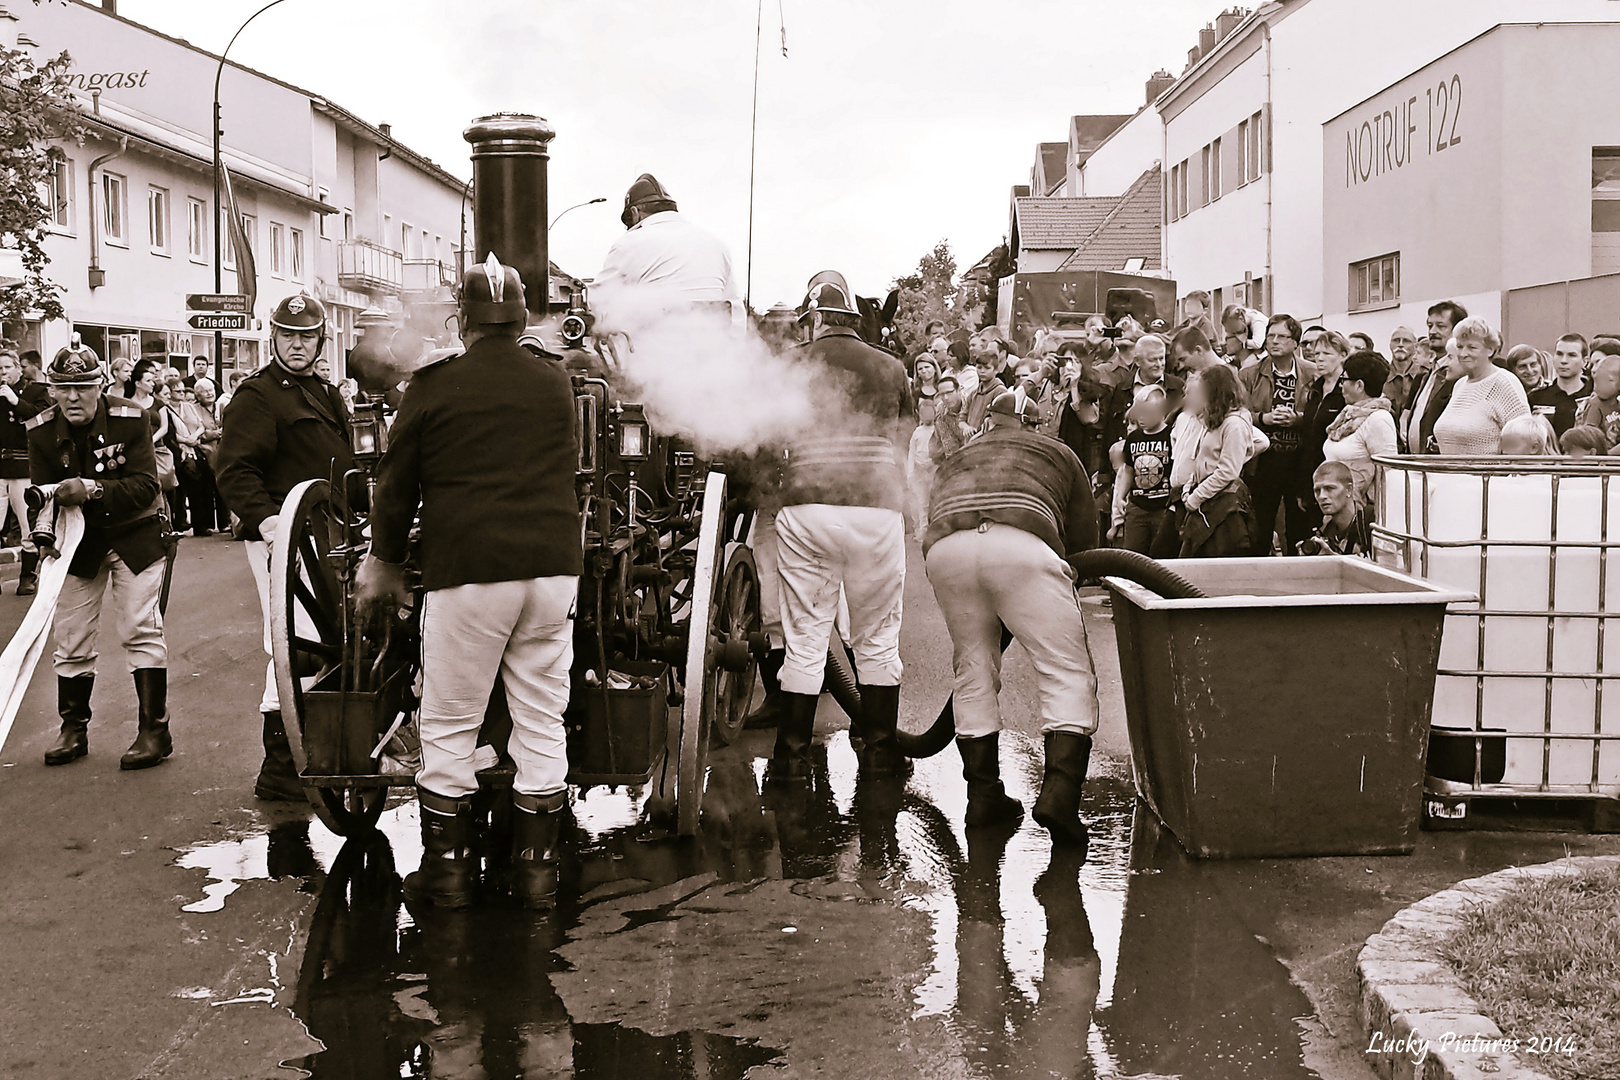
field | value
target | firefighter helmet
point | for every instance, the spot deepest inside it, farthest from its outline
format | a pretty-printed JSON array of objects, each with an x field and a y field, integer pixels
[
  {"x": 828, "y": 293},
  {"x": 493, "y": 293}
]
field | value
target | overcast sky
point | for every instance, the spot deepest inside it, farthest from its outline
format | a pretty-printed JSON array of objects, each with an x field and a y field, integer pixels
[{"x": 889, "y": 126}]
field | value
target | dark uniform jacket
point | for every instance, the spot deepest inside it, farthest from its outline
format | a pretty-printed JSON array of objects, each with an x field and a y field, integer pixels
[
  {"x": 1020, "y": 478},
  {"x": 485, "y": 444},
  {"x": 851, "y": 455},
  {"x": 32, "y": 399},
  {"x": 279, "y": 430},
  {"x": 115, "y": 450}
]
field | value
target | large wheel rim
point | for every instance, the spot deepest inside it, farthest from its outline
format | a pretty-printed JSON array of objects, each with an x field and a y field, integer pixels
[
  {"x": 693, "y": 753},
  {"x": 307, "y": 616},
  {"x": 736, "y": 617}
]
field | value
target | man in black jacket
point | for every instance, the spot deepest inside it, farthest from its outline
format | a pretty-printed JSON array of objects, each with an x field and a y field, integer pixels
[
  {"x": 483, "y": 456},
  {"x": 283, "y": 425},
  {"x": 1008, "y": 514},
  {"x": 97, "y": 451},
  {"x": 21, "y": 399}
]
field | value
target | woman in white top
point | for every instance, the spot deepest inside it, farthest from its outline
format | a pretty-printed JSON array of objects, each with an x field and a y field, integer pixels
[
  {"x": 1486, "y": 397},
  {"x": 1366, "y": 425}
]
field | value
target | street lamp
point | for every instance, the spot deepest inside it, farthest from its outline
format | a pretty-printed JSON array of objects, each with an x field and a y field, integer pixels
[
  {"x": 219, "y": 214},
  {"x": 576, "y": 206}
]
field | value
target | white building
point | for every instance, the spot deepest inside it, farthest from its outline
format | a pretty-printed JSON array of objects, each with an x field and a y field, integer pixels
[
  {"x": 333, "y": 205},
  {"x": 1248, "y": 168}
]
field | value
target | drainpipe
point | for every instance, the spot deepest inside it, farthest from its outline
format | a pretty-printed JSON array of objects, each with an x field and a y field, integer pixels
[
  {"x": 1271, "y": 170},
  {"x": 97, "y": 275}
]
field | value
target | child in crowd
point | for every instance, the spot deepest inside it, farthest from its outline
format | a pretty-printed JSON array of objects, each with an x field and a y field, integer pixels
[
  {"x": 1344, "y": 529},
  {"x": 1584, "y": 441},
  {"x": 1529, "y": 436},
  {"x": 1602, "y": 409},
  {"x": 1142, "y": 480},
  {"x": 1209, "y": 449}
]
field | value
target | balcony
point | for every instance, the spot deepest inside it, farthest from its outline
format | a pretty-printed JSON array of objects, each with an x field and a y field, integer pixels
[
  {"x": 369, "y": 267},
  {"x": 428, "y": 275}
]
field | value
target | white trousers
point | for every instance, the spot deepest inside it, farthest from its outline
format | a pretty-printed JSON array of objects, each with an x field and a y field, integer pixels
[
  {"x": 821, "y": 548},
  {"x": 762, "y": 539},
  {"x": 999, "y": 574},
  {"x": 14, "y": 495},
  {"x": 133, "y": 599},
  {"x": 520, "y": 630}
]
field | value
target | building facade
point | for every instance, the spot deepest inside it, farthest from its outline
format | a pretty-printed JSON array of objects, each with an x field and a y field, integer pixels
[{"x": 332, "y": 205}]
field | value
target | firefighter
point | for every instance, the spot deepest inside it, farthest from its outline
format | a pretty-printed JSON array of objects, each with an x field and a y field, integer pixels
[
  {"x": 482, "y": 456},
  {"x": 97, "y": 450},
  {"x": 283, "y": 425},
  {"x": 1008, "y": 513},
  {"x": 664, "y": 262},
  {"x": 840, "y": 524}
]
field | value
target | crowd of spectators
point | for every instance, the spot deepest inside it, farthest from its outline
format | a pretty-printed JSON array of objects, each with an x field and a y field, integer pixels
[{"x": 1253, "y": 434}]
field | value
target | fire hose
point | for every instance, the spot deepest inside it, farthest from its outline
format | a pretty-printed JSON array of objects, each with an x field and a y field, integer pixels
[
  {"x": 1099, "y": 562},
  {"x": 22, "y": 655}
]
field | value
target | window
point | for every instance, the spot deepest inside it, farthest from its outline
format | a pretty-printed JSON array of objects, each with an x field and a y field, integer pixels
[
  {"x": 325, "y": 199},
  {"x": 197, "y": 229},
  {"x": 1605, "y": 210},
  {"x": 1250, "y": 132},
  {"x": 157, "y": 219},
  {"x": 1170, "y": 206},
  {"x": 1213, "y": 170},
  {"x": 348, "y": 224},
  {"x": 1181, "y": 192},
  {"x": 59, "y": 196},
  {"x": 250, "y": 228},
  {"x": 115, "y": 207},
  {"x": 1204, "y": 193},
  {"x": 1375, "y": 282},
  {"x": 405, "y": 241},
  {"x": 278, "y": 249},
  {"x": 295, "y": 253}
]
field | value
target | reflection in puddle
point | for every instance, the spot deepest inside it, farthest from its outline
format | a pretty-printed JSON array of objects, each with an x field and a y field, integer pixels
[{"x": 1132, "y": 964}]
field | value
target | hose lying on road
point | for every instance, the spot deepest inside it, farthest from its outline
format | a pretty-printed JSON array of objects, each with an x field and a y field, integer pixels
[{"x": 1097, "y": 563}]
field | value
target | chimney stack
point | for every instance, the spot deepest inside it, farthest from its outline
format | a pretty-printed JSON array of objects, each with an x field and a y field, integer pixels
[
  {"x": 1228, "y": 21},
  {"x": 387, "y": 130},
  {"x": 509, "y": 155},
  {"x": 1207, "y": 40},
  {"x": 1161, "y": 81},
  {"x": 110, "y": 6}
]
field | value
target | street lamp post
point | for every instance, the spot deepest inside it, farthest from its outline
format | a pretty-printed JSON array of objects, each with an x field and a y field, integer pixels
[
  {"x": 576, "y": 206},
  {"x": 219, "y": 213}
]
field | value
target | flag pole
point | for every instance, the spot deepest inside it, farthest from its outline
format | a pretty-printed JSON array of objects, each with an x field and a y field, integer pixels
[{"x": 753, "y": 141}]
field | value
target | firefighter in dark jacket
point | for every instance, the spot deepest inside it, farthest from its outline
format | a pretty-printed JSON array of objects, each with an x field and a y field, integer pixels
[
  {"x": 483, "y": 455},
  {"x": 1009, "y": 512},
  {"x": 840, "y": 525},
  {"x": 97, "y": 451},
  {"x": 21, "y": 399},
  {"x": 282, "y": 426}
]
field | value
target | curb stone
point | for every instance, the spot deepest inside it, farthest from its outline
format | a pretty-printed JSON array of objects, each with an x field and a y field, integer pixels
[{"x": 1410, "y": 995}]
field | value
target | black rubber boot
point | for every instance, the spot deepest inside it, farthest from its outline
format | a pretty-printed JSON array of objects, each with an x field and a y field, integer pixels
[
  {"x": 1058, "y": 808},
  {"x": 278, "y": 776},
  {"x": 988, "y": 803},
  {"x": 536, "y": 829},
  {"x": 153, "y": 743},
  {"x": 1068, "y": 929},
  {"x": 790, "y": 760},
  {"x": 28, "y": 580},
  {"x": 73, "y": 703},
  {"x": 773, "y": 708},
  {"x": 448, "y": 867},
  {"x": 880, "y": 754},
  {"x": 979, "y": 885}
]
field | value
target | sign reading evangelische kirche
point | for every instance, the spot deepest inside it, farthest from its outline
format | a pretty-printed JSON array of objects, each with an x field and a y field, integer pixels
[{"x": 107, "y": 80}]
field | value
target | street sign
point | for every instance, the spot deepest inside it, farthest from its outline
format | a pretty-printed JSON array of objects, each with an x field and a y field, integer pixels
[
  {"x": 217, "y": 302},
  {"x": 218, "y": 320}
]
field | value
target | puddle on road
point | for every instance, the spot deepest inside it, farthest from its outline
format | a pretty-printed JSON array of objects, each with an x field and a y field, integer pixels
[{"x": 1133, "y": 964}]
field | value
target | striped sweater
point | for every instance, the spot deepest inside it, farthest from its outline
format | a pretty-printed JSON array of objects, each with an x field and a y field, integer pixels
[{"x": 1020, "y": 478}]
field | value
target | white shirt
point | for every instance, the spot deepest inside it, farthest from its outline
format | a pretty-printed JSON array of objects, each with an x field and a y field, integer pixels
[{"x": 663, "y": 262}]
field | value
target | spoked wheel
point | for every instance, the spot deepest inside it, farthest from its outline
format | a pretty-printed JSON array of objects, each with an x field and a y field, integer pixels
[
  {"x": 735, "y": 619},
  {"x": 307, "y": 625}
]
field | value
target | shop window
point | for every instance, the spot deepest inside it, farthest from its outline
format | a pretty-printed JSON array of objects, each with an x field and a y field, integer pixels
[
  {"x": 157, "y": 219},
  {"x": 295, "y": 253},
  {"x": 115, "y": 207},
  {"x": 1375, "y": 282},
  {"x": 58, "y": 192},
  {"x": 197, "y": 229}
]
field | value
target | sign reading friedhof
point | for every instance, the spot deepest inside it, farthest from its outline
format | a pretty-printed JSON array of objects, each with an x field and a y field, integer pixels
[{"x": 219, "y": 320}]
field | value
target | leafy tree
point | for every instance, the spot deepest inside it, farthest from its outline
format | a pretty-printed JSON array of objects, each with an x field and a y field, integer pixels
[
  {"x": 37, "y": 109},
  {"x": 931, "y": 293}
]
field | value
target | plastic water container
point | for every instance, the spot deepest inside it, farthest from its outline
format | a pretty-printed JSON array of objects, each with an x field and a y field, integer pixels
[{"x": 1538, "y": 656}]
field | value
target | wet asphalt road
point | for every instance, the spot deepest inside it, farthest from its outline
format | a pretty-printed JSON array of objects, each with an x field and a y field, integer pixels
[{"x": 163, "y": 924}]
